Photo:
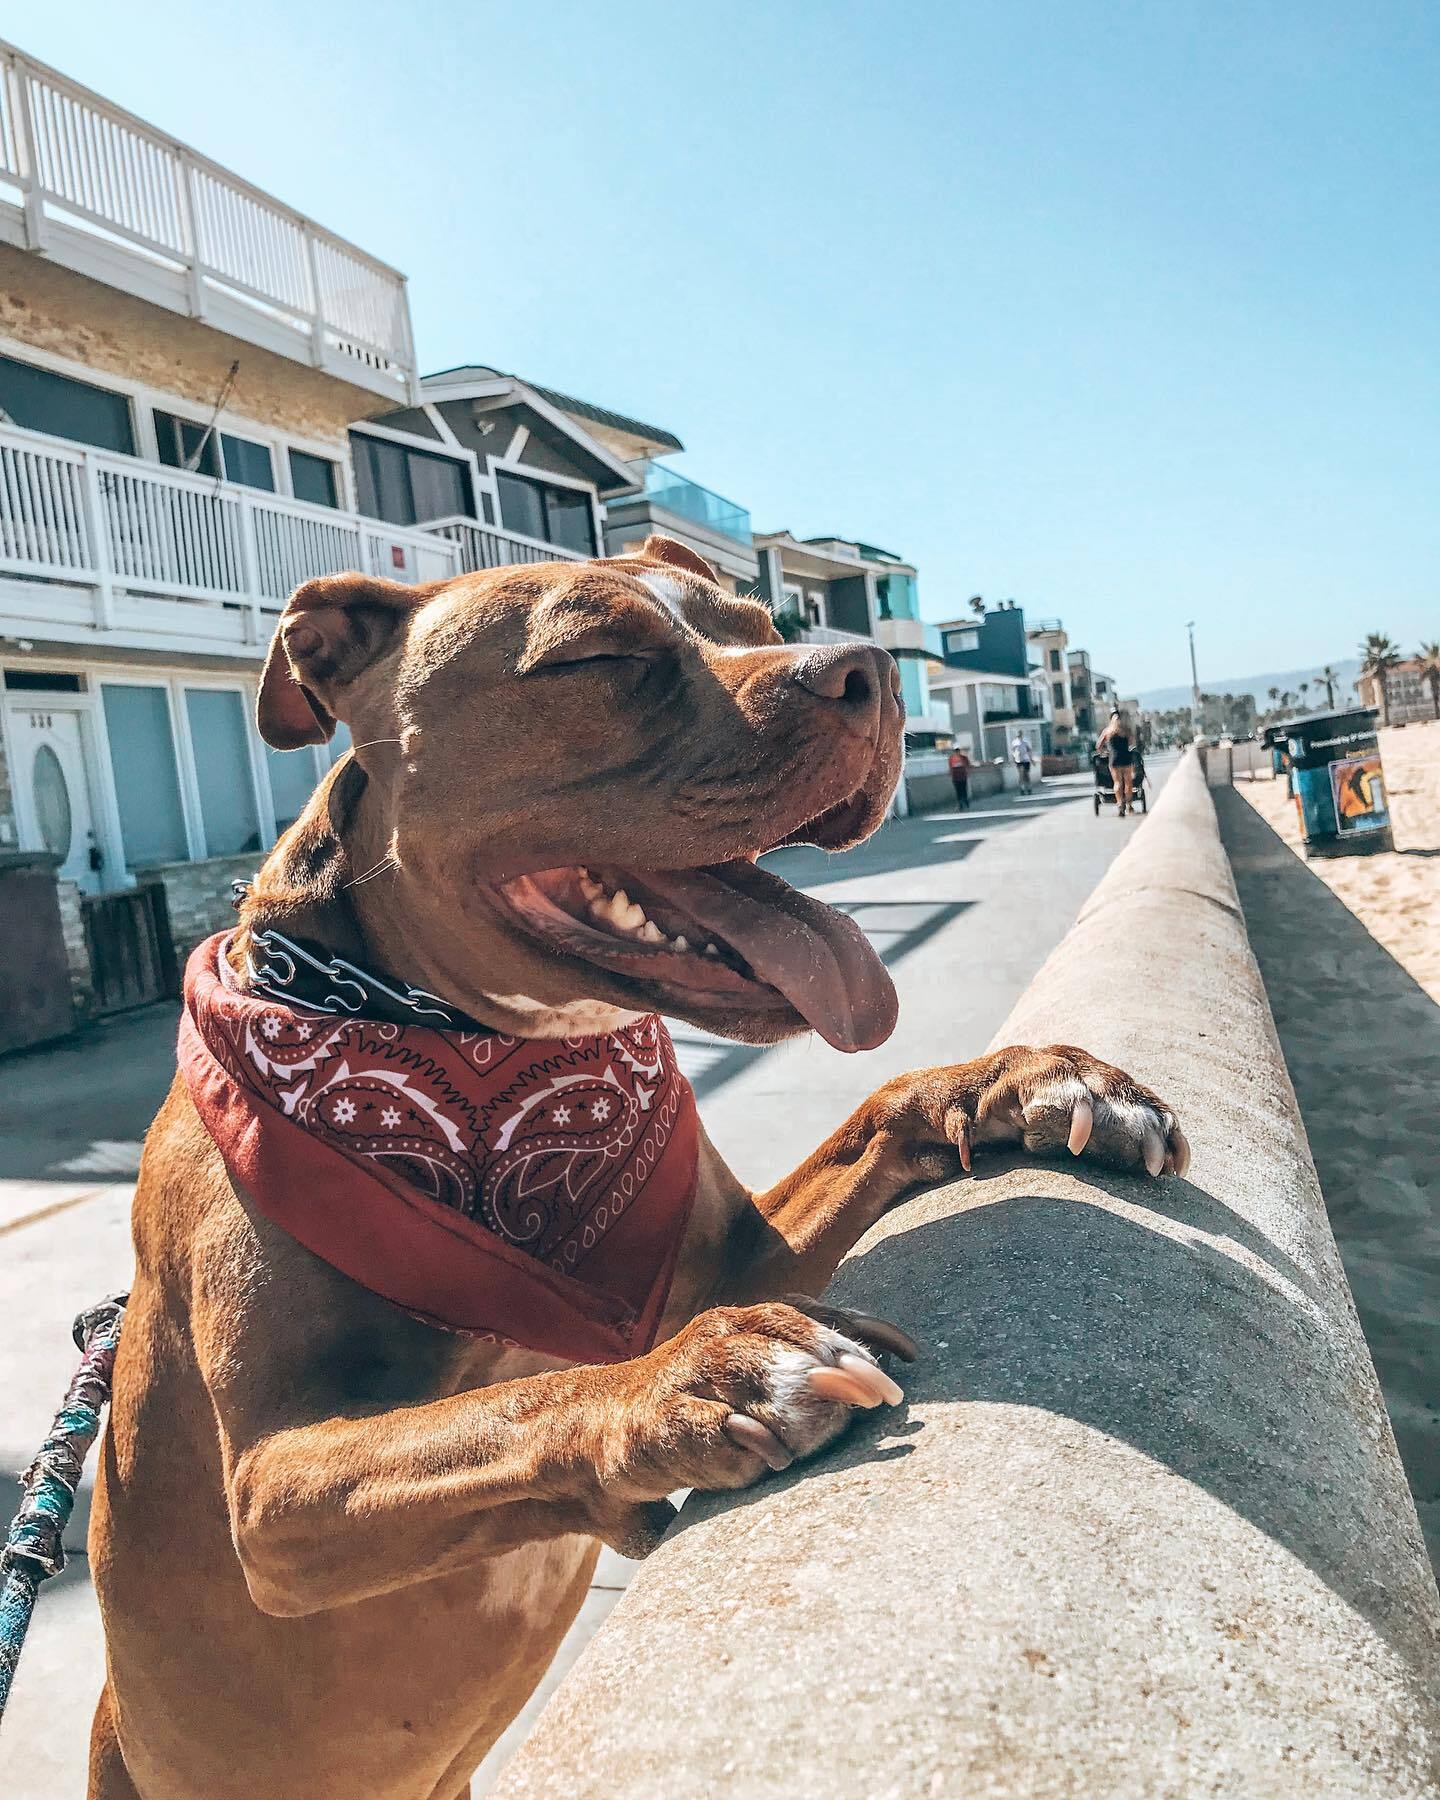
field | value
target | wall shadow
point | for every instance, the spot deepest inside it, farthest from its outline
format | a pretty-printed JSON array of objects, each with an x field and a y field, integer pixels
[{"x": 1362, "y": 1041}]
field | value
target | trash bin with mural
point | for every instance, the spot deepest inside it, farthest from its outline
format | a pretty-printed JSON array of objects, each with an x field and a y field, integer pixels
[{"x": 1338, "y": 783}]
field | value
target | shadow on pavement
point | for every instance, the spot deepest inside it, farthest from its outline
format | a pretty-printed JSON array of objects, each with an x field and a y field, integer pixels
[{"x": 1362, "y": 1042}]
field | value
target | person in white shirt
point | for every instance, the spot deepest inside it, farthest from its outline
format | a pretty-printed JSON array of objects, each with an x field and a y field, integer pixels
[{"x": 1022, "y": 756}]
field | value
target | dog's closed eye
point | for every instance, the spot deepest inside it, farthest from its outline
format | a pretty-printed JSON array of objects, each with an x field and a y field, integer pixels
[{"x": 597, "y": 644}]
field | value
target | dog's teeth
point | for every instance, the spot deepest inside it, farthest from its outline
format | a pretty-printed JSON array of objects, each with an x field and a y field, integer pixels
[
  {"x": 589, "y": 886},
  {"x": 682, "y": 944},
  {"x": 634, "y": 919},
  {"x": 710, "y": 950},
  {"x": 651, "y": 933}
]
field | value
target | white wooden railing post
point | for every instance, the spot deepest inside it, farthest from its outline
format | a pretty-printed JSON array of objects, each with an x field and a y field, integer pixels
[
  {"x": 25, "y": 144},
  {"x": 250, "y": 568},
  {"x": 97, "y": 531},
  {"x": 190, "y": 226},
  {"x": 317, "y": 310}
]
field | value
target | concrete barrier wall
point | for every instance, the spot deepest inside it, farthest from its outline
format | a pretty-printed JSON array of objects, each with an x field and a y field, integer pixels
[{"x": 1141, "y": 1527}]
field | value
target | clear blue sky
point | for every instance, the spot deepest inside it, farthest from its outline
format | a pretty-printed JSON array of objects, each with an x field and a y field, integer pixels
[{"x": 1128, "y": 311}]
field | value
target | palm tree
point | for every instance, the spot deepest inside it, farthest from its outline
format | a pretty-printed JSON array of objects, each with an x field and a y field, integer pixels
[
  {"x": 1430, "y": 673},
  {"x": 1329, "y": 677},
  {"x": 1378, "y": 656},
  {"x": 1304, "y": 696}
]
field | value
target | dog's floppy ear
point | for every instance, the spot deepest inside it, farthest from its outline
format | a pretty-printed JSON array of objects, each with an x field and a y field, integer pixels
[
  {"x": 680, "y": 556},
  {"x": 330, "y": 630}
]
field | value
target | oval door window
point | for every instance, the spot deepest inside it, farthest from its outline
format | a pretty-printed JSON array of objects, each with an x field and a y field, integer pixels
[{"x": 52, "y": 802}]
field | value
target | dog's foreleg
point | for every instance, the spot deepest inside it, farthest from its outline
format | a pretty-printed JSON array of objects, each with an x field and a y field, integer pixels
[{"x": 924, "y": 1127}]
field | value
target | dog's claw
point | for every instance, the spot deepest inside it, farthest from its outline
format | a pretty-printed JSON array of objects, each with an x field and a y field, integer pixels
[
  {"x": 860, "y": 1366},
  {"x": 880, "y": 1334},
  {"x": 848, "y": 1385},
  {"x": 1180, "y": 1145},
  {"x": 1153, "y": 1151},
  {"x": 1082, "y": 1123},
  {"x": 750, "y": 1434}
]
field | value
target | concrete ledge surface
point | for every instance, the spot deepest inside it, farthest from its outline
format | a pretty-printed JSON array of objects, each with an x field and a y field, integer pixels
[{"x": 1140, "y": 1527}]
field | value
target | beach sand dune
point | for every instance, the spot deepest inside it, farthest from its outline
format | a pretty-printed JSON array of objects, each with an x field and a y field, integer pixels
[{"x": 1350, "y": 951}]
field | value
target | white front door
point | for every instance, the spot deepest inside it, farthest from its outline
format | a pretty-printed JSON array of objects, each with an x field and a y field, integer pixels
[{"x": 52, "y": 788}]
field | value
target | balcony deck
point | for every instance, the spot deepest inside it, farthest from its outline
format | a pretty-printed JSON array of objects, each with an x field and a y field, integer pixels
[
  {"x": 100, "y": 548},
  {"x": 91, "y": 187}
]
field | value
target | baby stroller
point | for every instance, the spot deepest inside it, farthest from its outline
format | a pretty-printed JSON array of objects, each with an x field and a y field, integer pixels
[{"x": 1105, "y": 789}]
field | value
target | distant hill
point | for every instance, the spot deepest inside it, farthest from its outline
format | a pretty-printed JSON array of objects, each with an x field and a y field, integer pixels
[{"x": 1258, "y": 686}]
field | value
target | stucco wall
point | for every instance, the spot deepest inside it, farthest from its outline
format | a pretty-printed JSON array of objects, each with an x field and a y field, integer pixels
[{"x": 69, "y": 315}]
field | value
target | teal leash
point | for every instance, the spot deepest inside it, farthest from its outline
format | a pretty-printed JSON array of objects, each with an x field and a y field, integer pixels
[{"x": 34, "y": 1548}]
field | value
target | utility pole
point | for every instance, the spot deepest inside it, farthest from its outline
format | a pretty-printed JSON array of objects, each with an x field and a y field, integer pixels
[{"x": 1199, "y": 723}]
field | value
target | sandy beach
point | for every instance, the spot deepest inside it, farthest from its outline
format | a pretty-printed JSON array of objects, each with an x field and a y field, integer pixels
[
  {"x": 1349, "y": 948},
  {"x": 1395, "y": 895}
]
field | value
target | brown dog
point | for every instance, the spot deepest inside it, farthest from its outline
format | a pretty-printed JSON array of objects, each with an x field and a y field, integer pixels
[{"x": 335, "y": 1547}]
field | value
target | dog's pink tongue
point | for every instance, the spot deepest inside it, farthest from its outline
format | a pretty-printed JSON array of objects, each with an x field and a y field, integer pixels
[{"x": 819, "y": 959}]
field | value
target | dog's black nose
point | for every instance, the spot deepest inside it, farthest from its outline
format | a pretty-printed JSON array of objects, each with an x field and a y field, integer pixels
[{"x": 859, "y": 678}]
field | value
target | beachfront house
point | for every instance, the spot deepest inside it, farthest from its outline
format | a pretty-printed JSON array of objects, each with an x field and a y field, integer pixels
[
  {"x": 830, "y": 589},
  {"x": 1049, "y": 644},
  {"x": 182, "y": 359}
]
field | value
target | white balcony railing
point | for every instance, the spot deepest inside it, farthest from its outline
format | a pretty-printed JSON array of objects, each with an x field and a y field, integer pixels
[
  {"x": 140, "y": 538},
  {"x": 830, "y": 634},
  {"x": 92, "y": 186},
  {"x": 484, "y": 547}
]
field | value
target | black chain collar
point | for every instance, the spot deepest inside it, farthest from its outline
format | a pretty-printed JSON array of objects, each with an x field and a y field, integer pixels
[{"x": 280, "y": 968}]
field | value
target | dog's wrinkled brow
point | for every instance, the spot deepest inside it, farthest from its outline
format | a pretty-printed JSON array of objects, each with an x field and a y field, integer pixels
[{"x": 743, "y": 619}]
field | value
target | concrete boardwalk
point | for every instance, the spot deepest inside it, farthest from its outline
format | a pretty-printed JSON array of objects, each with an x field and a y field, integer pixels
[{"x": 964, "y": 908}]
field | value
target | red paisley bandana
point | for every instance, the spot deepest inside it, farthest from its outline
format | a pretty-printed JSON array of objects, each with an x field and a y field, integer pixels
[{"x": 532, "y": 1191}]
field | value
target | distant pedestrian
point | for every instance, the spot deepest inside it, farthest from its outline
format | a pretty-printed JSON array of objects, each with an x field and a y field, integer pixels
[
  {"x": 1022, "y": 756},
  {"x": 1118, "y": 747},
  {"x": 960, "y": 775}
]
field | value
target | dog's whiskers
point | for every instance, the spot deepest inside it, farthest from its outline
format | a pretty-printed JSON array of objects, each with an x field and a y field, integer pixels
[
  {"x": 374, "y": 741},
  {"x": 385, "y": 862}
]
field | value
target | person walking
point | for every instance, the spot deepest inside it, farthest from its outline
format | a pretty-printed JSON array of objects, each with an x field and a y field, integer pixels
[
  {"x": 1119, "y": 750},
  {"x": 1022, "y": 756},
  {"x": 960, "y": 775}
]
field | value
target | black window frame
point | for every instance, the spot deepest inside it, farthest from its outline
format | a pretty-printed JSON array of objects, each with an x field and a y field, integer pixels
[
  {"x": 118, "y": 404},
  {"x": 545, "y": 490},
  {"x": 309, "y": 458},
  {"x": 176, "y": 437},
  {"x": 365, "y": 446}
]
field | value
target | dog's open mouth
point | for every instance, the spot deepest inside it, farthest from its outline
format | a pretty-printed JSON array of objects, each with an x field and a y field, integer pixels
[{"x": 731, "y": 938}]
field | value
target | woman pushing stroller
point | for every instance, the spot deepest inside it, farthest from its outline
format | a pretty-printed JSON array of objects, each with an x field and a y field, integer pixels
[{"x": 1118, "y": 747}]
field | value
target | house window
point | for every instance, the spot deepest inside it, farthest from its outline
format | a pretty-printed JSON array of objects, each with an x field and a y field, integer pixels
[
  {"x": 967, "y": 638},
  {"x": 40, "y": 400},
  {"x": 220, "y": 745},
  {"x": 555, "y": 515},
  {"x": 183, "y": 444},
  {"x": 405, "y": 486},
  {"x": 147, "y": 781},
  {"x": 313, "y": 478},
  {"x": 292, "y": 781},
  {"x": 1055, "y": 660},
  {"x": 1057, "y": 692}
]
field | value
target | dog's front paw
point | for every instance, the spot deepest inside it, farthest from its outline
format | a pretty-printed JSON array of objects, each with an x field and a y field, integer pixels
[
  {"x": 741, "y": 1390},
  {"x": 1052, "y": 1099},
  {"x": 1068, "y": 1099}
]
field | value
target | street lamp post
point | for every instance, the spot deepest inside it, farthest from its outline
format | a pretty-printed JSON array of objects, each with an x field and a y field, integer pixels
[{"x": 1194, "y": 680}]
